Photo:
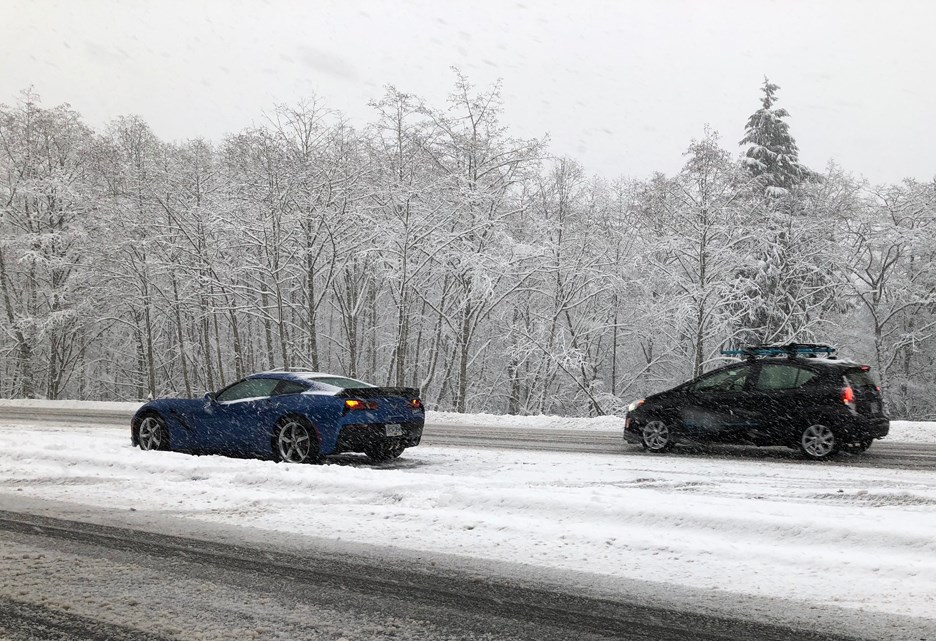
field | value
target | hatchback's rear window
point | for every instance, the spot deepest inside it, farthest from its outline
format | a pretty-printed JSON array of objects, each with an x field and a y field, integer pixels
[
  {"x": 860, "y": 378},
  {"x": 778, "y": 377}
]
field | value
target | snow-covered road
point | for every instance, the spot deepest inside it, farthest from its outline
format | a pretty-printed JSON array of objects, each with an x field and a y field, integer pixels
[{"x": 826, "y": 534}]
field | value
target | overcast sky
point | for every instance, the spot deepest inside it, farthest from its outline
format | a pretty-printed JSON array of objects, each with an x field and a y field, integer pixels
[{"x": 622, "y": 86}]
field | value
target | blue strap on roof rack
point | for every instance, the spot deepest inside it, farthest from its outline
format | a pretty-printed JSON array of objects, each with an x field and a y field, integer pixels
[{"x": 792, "y": 350}]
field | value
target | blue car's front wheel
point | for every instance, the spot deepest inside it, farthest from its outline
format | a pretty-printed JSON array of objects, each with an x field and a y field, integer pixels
[
  {"x": 295, "y": 441},
  {"x": 152, "y": 433}
]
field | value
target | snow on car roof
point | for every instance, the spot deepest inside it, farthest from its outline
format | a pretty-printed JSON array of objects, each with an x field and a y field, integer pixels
[
  {"x": 821, "y": 360},
  {"x": 306, "y": 375},
  {"x": 294, "y": 373}
]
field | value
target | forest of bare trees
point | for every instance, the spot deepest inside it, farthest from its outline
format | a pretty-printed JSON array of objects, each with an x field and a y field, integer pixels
[{"x": 432, "y": 248}]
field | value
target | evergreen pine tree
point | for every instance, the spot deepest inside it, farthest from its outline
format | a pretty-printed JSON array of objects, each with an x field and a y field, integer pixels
[{"x": 772, "y": 155}]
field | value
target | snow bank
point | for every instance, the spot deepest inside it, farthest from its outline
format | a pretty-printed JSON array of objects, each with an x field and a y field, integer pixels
[
  {"x": 601, "y": 423},
  {"x": 902, "y": 431},
  {"x": 129, "y": 407},
  {"x": 912, "y": 432}
]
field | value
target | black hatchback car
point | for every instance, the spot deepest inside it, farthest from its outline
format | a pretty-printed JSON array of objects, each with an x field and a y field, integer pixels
[{"x": 796, "y": 395}]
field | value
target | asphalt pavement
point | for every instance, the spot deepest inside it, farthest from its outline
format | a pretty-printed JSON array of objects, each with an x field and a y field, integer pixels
[
  {"x": 882, "y": 454},
  {"x": 64, "y": 579}
]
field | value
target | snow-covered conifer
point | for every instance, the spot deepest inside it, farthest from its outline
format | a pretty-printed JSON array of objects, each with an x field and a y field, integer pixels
[{"x": 772, "y": 155}]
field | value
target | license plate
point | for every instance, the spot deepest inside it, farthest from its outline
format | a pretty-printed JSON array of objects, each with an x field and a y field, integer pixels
[{"x": 394, "y": 429}]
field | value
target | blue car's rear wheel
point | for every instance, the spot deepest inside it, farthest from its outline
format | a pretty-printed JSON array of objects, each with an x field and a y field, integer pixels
[
  {"x": 152, "y": 433},
  {"x": 295, "y": 441},
  {"x": 384, "y": 451}
]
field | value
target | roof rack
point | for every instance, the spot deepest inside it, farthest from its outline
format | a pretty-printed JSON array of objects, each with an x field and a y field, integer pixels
[{"x": 793, "y": 350}]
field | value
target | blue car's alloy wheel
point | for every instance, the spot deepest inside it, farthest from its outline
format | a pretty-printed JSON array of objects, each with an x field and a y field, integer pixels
[
  {"x": 294, "y": 442},
  {"x": 384, "y": 451},
  {"x": 152, "y": 434}
]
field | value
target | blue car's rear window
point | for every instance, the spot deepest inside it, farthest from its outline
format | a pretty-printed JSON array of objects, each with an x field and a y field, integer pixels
[{"x": 339, "y": 381}]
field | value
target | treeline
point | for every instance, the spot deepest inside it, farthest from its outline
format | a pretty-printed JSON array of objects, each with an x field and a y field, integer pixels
[{"x": 431, "y": 248}]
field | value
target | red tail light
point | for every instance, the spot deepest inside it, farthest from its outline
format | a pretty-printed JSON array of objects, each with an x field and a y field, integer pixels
[
  {"x": 848, "y": 396},
  {"x": 352, "y": 404},
  {"x": 416, "y": 404}
]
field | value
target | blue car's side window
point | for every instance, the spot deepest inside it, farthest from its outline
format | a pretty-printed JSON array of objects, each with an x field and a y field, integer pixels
[
  {"x": 251, "y": 388},
  {"x": 288, "y": 387}
]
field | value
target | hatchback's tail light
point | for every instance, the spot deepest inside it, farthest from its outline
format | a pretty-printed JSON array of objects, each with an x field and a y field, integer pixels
[
  {"x": 848, "y": 396},
  {"x": 416, "y": 404}
]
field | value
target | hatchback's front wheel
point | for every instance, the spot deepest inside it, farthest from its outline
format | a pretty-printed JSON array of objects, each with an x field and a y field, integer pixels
[
  {"x": 818, "y": 442},
  {"x": 656, "y": 437}
]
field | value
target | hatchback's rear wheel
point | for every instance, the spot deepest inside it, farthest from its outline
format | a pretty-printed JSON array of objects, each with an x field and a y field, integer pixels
[
  {"x": 295, "y": 442},
  {"x": 818, "y": 442},
  {"x": 656, "y": 437},
  {"x": 859, "y": 446}
]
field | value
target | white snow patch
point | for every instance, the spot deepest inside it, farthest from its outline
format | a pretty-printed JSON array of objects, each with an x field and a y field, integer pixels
[
  {"x": 129, "y": 407},
  {"x": 600, "y": 423},
  {"x": 912, "y": 432},
  {"x": 823, "y": 534}
]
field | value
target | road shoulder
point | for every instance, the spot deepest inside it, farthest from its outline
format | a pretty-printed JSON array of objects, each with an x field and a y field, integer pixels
[{"x": 488, "y": 576}]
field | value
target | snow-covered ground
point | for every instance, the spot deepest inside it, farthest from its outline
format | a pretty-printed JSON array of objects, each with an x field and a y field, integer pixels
[{"x": 825, "y": 534}]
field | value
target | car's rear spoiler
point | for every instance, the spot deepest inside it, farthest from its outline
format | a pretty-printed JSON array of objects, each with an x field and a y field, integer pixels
[{"x": 378, "y": 392}]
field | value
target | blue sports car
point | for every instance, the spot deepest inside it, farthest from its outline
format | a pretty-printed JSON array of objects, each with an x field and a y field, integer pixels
[{"x": 291, "y": 416}]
